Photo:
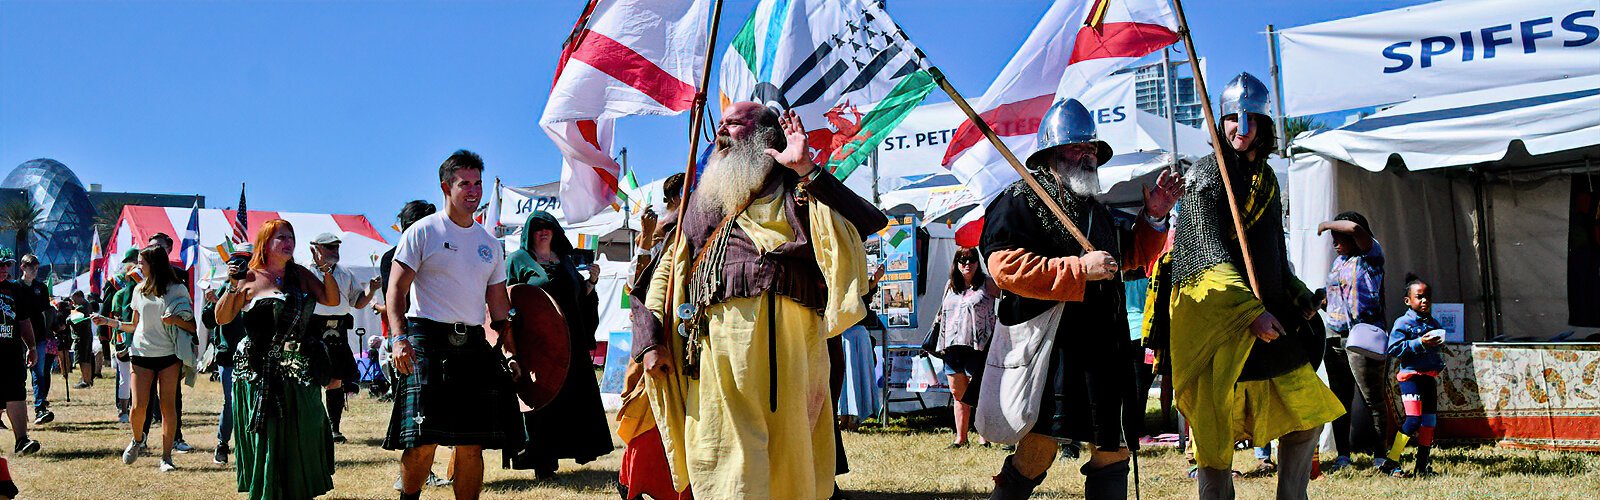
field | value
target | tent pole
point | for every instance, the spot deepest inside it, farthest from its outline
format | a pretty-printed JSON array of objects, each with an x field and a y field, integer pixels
[
  {"x": 1277, "y": 91},
  {"x": 1167, "y": 74},
  {"x": 1486, "y": 267}
]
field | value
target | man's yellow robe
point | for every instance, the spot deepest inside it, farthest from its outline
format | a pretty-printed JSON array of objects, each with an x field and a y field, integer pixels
[{"x": 719, "y": 431}]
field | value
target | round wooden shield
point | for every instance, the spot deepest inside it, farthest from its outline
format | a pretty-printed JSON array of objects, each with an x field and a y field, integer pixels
[{"x": 544, "y": 347}]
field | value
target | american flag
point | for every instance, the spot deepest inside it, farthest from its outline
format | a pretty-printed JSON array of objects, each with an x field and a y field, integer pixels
[{"x": 242, "y": 220}]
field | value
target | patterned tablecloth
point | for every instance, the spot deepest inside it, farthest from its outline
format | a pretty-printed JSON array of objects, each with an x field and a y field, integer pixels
[{"x": 1524, "y": 395}]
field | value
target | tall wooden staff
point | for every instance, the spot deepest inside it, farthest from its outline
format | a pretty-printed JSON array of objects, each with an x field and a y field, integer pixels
[
  {"x": 696, "y": 113},
  {"x": 994, "y": 140},
  {"x": 1216, "y": 144}
]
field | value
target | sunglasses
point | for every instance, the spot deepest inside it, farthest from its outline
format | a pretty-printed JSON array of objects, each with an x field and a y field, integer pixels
[{"x": 967, "y": 260}]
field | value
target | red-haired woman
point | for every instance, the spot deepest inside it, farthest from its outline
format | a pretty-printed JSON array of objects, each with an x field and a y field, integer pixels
[{"x": 284, "y": 444}]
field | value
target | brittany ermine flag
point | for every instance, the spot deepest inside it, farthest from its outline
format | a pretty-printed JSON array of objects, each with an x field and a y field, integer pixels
[
  {"x": 1076, "y": 43},
  {"x": 842, "y": 66},
  {"x": 624, "y": 57}
]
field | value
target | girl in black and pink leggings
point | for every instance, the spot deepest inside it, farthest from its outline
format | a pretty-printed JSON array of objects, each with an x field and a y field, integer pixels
[{"x": 1414, "y": 343}]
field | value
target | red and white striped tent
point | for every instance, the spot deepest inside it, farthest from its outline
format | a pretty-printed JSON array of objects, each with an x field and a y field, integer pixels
[{"x": 359, "y": 252}]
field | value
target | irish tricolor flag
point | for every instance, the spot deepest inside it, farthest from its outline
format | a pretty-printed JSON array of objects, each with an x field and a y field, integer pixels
[{"x": 842, "y": 65}]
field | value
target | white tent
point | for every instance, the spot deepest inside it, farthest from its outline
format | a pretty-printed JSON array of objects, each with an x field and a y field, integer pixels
[{"x": 1471, "y": 190}]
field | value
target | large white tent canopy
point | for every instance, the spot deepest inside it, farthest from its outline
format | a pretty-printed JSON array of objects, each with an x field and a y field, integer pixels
[{"x": 1470, "y": 190}]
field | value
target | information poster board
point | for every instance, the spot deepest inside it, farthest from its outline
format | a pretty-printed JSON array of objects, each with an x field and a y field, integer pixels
[
  {"x": 895, "y": 248},
  {"x": 1452, "y": 317},
  {"x": 616, "y": 367},
  {"x": 910, "y": 371}
]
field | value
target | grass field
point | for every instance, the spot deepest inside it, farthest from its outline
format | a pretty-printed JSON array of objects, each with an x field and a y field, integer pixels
[{"x": 80, "y": 459}]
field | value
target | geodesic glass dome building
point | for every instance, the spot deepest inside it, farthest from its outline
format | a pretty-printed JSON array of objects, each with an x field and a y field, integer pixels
[{"x": 67, "y": 221}]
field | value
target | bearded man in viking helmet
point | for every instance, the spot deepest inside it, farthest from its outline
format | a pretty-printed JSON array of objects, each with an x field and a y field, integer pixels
[
  {"x": 1068, "y": 300},
  {"x": 769, "y": 266},
  {"x": 1241, "y": 358}
]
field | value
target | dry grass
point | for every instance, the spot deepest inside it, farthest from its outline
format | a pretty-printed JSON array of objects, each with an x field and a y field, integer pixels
[{"x": 903, "y": 461}]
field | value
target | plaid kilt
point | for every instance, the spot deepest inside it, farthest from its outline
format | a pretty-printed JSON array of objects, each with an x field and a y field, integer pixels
[{"x": 455, "y": 395}]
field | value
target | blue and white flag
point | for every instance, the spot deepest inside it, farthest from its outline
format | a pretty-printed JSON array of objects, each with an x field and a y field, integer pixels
[{"x": 190, "y": 251}]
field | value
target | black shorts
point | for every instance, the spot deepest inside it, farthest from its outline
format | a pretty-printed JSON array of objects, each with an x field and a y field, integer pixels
[
  {"x": 13, "y": 373},
  {"x": 83, "y": 344},
  {"x": 155, "y": 363},
  {"x": 964, "y": 360}
]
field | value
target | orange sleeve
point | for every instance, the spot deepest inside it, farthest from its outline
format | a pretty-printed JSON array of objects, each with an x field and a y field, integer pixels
[
  {"x": 1148, "y": 245},
  {"x": 1029, "y": 275}
]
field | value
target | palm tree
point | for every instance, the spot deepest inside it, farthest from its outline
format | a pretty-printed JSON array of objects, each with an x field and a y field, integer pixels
[
  {"x": 106, "y": 215},
  {"x": 1301, "y": 124},
  {"x": 24, "y": 218}
]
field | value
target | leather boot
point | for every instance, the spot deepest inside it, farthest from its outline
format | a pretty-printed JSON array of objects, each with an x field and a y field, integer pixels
[
  {"x": 1010, "y": 484},
  {"x": 1106, "y": 483},
  {"x": 1423, "y": 467}
]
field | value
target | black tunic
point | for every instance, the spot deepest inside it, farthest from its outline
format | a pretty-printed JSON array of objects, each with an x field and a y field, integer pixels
[{"x": 1090, "y": 393}]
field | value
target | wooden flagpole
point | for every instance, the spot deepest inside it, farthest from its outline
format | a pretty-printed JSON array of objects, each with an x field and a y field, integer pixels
[
  {"x": 994, "y": 139},
  {"x": 695, "y": 114},
  {"x": 1216, "y": 146}
]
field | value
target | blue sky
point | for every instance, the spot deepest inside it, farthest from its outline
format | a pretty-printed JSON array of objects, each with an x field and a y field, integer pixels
[{"x": 349, "y": 107}]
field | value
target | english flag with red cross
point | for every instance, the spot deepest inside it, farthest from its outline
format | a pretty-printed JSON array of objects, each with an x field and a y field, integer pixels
[
  {"x": 624, "y": 57},
  {"x": 1076, "y": 43}
]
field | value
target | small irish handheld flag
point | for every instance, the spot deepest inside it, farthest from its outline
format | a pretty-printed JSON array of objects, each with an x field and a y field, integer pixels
[{"x": 587, "y": 242}]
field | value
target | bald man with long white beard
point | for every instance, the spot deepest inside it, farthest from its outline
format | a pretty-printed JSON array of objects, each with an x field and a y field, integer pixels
[{"x": 771, "y": 265}]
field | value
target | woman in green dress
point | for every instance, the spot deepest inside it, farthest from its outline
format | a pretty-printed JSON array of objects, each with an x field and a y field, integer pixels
[{"x": 284, "y": 444}]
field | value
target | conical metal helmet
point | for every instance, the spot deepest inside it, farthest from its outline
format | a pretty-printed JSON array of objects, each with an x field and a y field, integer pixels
[
  {"x": 1244, "y": 95},
  {"x": 1068, "y": 122}
]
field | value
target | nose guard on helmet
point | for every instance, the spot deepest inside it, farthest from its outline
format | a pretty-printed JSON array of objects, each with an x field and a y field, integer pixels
[
  {"x": 1068, "y": 122},
  {"x": 1244, "y": 95}
]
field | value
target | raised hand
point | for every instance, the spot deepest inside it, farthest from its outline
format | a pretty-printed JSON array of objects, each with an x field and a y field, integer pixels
[
  {"x": 1169, "y": 188},
  {"x": 795, "y": 155}
]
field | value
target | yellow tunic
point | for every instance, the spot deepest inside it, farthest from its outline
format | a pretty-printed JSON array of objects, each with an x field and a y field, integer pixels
[
  {"x": 719, "y": 431},
  {"x": 1210, "y": 340}
]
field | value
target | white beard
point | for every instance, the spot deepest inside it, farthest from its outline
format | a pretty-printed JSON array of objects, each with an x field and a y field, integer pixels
[
  {"x": 1080, "y": 181},
  {"x": 737, "y": 171}
]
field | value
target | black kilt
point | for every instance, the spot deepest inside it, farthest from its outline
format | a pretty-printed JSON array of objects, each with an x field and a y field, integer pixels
[
  {"x": 455, "y": 395},
  {"x": 1091, "y": 395},
  {"x": 341, "y": 360}
]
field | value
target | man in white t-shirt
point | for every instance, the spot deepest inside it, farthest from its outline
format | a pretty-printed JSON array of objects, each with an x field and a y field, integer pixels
[
  {"x": 454, "y": 388},
  {"x": 335, "y": 323}
]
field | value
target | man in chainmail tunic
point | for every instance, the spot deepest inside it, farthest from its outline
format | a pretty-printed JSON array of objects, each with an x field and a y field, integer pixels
[
  {"x": 771, "y": 265},
  {"x": 1088, "y": 394},
  {"x": 1241, "y": 361}
]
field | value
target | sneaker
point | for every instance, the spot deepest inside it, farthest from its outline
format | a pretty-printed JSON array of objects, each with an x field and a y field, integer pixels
[
  {"x": 27, "y": 447},
  {"x": 338, "y": 437},
  {"x": 44, "y": 417},
  {"x": 122, "y": 417},
  {"x": 437, "y": 481},
  {"x": 166, "y": 466},
  {"x": 1338, "y": 463},
  {"x": 144, "y": 449},
  {"x": 1392, "y": 468},
  {"x": 1264, "y": 467},
  {"x": 131, "y": 453},
  {"x": 953, "y": 446},
  {"x": 221, "y": 455},
  {"x": 182, "y": 447},
  {"x": 82, "y": 385}
]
